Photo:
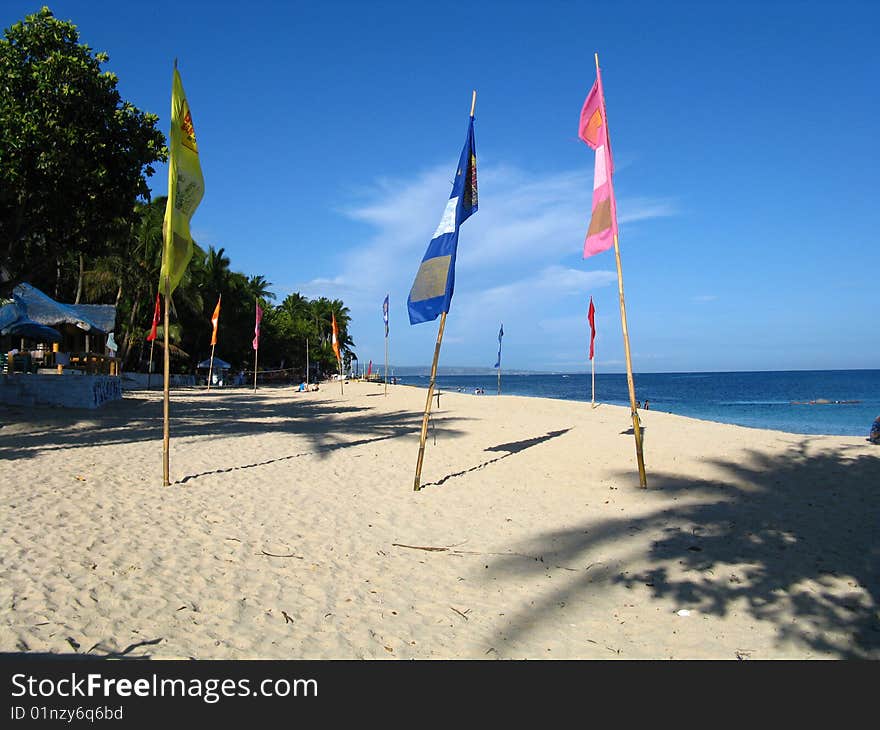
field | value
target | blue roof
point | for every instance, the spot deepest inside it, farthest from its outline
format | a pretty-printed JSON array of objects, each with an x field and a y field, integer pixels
[{"x": 32, "y": 304}]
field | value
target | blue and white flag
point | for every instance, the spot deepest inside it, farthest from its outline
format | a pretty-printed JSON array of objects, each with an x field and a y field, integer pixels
[
  {"x": 385, "y": 313},
  {"x": 431, "y": 292},
  {"x": 500, "y": 335}
]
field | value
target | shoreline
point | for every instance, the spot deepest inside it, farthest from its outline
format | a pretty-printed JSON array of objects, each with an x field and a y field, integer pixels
[
  {"x": 626, "y": 407},
  {"x": 291, "y": 531}
]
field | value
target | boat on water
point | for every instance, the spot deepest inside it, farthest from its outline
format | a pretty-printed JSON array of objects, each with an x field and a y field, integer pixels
[{"x": 824, "y": 402}]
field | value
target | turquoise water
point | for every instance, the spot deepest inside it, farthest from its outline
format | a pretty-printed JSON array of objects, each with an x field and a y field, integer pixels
[{"x": 774, "y": 400}]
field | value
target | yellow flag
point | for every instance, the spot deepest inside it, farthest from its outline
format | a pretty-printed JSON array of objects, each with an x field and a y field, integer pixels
[{"x": 186, "y": 186}]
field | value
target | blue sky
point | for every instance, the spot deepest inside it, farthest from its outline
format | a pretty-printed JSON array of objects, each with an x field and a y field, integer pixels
[{"x": 744, "y": 134}]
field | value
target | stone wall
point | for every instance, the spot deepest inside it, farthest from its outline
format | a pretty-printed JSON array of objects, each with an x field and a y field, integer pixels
[{"x": 67, "y": 391}]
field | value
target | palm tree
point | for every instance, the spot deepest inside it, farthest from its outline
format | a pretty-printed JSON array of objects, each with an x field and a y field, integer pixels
[
  {"x": 258, "y": 288},
  {"x": 217, "y": 272}
]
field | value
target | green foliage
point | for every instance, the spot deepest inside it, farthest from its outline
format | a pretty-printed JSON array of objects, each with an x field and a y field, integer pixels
[
  {"x": 76, "y": 215},
  {"x": 74, "y": 156}
]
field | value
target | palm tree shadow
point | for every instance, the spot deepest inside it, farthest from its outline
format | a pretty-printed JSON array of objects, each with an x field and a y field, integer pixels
[
  {"x": 326, "y": 425},
  {"x": 788, "y": 536},
  {"x": 104, "y": 653}
]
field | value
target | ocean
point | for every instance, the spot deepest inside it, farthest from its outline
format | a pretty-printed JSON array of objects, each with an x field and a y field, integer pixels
[{"x": 780, "y": 401}]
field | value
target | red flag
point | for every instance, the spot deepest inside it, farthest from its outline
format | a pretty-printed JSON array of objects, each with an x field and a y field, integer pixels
[
  {"x": 215, "y": 318},
  {"x": 256, "y": 342},
  {"x": 370, "y": 369},
  {"x": 591, "y": 316},
  {"x": 152, "y": 335}
]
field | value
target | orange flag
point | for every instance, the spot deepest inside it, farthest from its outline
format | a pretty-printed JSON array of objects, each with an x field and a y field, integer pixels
[
  {"x": 216, "y": 320},
  {"x": 335, "y": 340}
]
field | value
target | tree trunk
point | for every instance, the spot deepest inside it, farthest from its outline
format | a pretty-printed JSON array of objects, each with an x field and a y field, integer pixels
[
  {"x": 129, "y": 335},
  {"x": 79, "y": 282}
]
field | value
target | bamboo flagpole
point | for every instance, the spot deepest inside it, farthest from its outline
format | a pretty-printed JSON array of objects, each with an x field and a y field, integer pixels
[
  {"x": 385, "y": 319},
  {"x": 184, "y": 172},
  {"x": 152, "y": 338},
  {"x": 166, "y": 398},
  {"x": 467, "y": 172},
  {"x": 258, "y": 317},
  {"x": 211, "y": 366},
  {"x": 424, "y": 433},
  {"x": 637, "y": 430},
  {"x": 307, "y": 361},
  {"x": 150, "y": 369},
  {"x": 498, "y": 364},
  {"x": 593, "y": 396}
]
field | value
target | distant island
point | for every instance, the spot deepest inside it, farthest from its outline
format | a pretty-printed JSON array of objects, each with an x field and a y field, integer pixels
[{"x": 452, "y": 370}]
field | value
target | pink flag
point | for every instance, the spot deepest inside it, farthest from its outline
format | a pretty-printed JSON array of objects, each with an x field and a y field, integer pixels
[
  {"x": 593, "y": 130},
  {"x": 257, "y": 328}
]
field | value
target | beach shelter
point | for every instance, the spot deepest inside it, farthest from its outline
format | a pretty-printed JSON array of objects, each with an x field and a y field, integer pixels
[
  {"x": 218, "y": 364},
  {"x": 42, "y": 309},
  {"x": 220, "y": 368},
  {"x": 32, "y": 330},
  {"x": 14, "y": 320}
]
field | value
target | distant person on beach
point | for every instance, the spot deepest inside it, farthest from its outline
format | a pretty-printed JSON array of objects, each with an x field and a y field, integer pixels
[
  {"x": 874, "y": 436},
  {"x": 647, "y": 407}
]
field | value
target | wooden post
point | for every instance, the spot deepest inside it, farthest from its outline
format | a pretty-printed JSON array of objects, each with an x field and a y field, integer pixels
[
  {"x": 307, "y": 361},
  {"x": 386, "y": 364},
  {"x": 166, "y": 397},
  {"x": 424, "y": 434},
  {"x": 341, "y": 378},
  {"x": 211, "y": 366}
]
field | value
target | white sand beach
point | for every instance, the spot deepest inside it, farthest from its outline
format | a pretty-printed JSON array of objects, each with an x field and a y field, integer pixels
[{"x": 292, "y": 531}]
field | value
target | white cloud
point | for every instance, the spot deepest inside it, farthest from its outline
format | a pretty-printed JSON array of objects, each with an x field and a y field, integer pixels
[{"x": 510, "y": 256}]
